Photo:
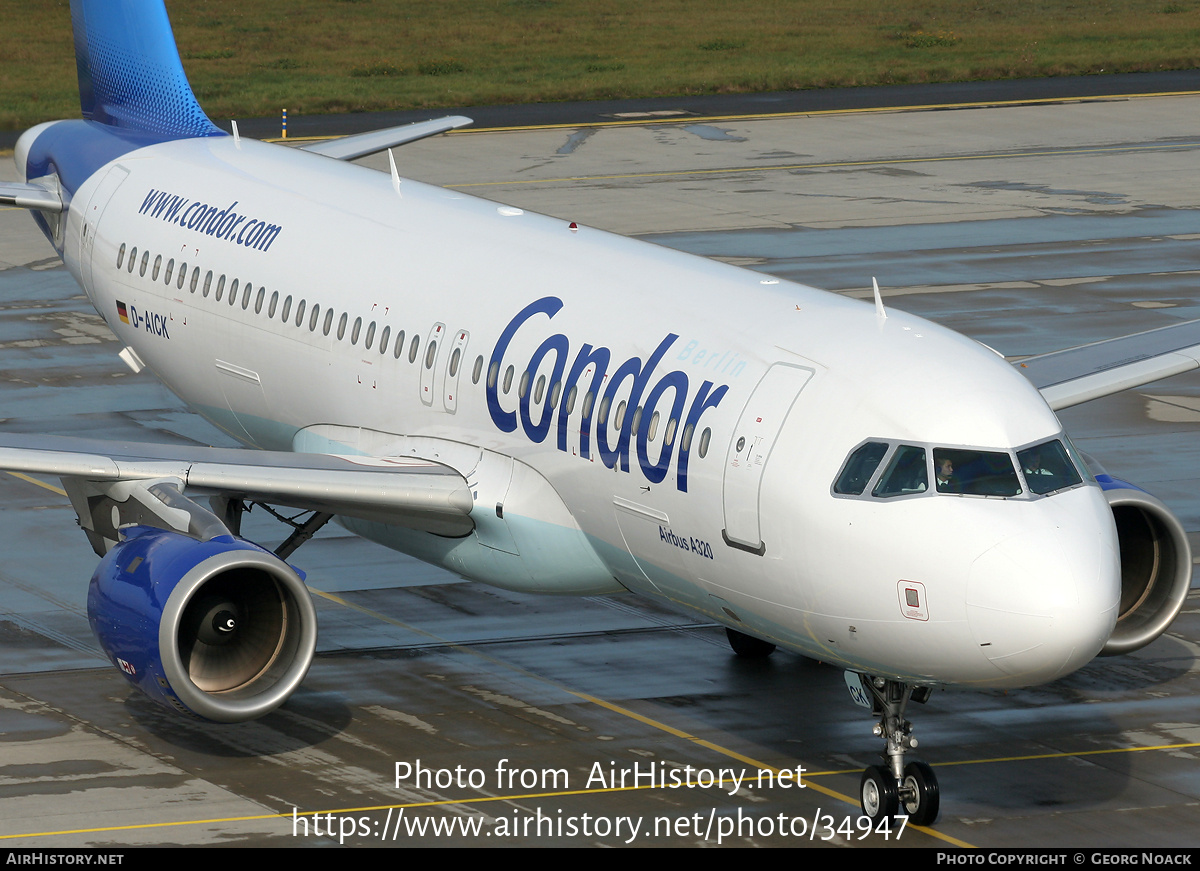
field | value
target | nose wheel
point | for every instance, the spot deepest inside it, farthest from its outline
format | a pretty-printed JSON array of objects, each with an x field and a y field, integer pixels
[{"x": 885, "y": 789}]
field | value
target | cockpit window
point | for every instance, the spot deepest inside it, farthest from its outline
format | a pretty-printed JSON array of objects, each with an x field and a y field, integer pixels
[
  {"x": 859, "y": 468},
  {"x": 906, "y": 473},
  {"x": 975, "y": 473},
  {"x": 1047, "y": 468}
]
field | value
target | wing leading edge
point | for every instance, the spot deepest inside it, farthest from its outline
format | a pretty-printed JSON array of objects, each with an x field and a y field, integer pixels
[
  {"x": 1077, "y": 375},
  {"x": 400, "y": 491},
  {"x": 25, "y": 195},
  {"x": 362, "y": 144}
]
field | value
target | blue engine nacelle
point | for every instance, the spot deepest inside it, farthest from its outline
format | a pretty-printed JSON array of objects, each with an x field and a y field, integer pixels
[
  {"x": 1156, "y": 565},
  {"x": 219, "y": 629}
]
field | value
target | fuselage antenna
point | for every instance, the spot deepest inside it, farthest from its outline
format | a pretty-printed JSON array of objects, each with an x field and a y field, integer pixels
[{"x": 395, "y": 174}]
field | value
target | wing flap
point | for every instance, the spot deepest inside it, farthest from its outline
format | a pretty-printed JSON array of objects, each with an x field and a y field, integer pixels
[
  {"x": 1076, "y": 375},
  {"x": 362, "y": 144},
  {"x": 25, "y": 195},
  {"x": 402, "y": 491}
]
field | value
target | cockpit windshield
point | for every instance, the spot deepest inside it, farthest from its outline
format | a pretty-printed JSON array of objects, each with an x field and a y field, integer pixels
[
  {"x": 905, "y": 475},
  {"x": 975, "y": 473},
  {"x": 859, "y": 468},
  {"x": 907, "y": 470},
  {"x": 1047, "y": 467}
]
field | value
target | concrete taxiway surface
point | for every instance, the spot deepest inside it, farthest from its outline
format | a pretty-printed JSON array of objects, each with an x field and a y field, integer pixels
[{"x": 1030, "y": 228}]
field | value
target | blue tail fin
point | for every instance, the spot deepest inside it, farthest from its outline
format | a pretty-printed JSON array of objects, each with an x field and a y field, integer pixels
[{"x": 130, "y": 75}]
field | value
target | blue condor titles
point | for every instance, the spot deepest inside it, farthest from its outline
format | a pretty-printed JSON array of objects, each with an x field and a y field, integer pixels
[{"x": 536, "y": 409}]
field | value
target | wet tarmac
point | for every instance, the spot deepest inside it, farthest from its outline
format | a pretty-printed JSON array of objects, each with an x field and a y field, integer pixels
[{"x": 1029, "y": 228}]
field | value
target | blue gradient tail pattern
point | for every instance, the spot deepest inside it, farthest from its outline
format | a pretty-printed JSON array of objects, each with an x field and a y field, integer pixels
[{"x": 130, "y": 75}]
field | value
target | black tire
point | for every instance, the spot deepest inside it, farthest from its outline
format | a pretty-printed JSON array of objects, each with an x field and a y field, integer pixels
[
  {"x": 878, "y": 795},
  {"x": 748, "y": 646},
  {"x": 924, "y": 797}
]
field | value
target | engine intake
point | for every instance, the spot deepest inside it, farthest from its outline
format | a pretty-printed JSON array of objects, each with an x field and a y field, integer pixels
[
  {"x": 1156, "y": 566},
  {"x": 219, "y": 629}
]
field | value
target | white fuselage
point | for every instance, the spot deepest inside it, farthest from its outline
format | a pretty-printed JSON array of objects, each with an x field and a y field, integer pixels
[{"x": 721, "y": 502}]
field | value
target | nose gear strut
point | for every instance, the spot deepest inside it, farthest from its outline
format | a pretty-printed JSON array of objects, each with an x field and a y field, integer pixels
[{"x": 884, "y": 789}]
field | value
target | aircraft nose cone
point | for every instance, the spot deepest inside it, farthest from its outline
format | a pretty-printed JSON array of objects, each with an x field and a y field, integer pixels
[{"x": 1041, "y": 604}]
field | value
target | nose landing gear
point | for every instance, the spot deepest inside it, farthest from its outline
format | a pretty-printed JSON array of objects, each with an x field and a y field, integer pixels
[{"x": 884, "y": 789}]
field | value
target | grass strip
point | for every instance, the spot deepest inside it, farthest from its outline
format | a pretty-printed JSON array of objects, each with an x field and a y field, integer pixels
[{"x": 322, "y": 56}]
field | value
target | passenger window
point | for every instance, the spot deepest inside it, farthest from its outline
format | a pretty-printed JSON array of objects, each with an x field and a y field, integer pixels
[
  {"x": 454, "y": 358},
  {"x": 170, "y": 271},
  {"x": 132, "y": 259},
  {"x": 414, "y": 348},
  {"x": 399, "y": 345},
  {"x": 287, "y": 309},
  {"x": 157, "y": 266},
  {"x": 354, "y": 332},
  {"x": 906, "y": 474},
  {"x": 274, "y": 304},
  {"x": 233, "y": 289},
  {"x": 705, "y": 439},
  {"x": 328, "y": 322},
  {"x": 182, "y": 276},
  {"x": 207, "y": 283},
  {"x": 247, "y": 292},
  {"x": 370, "y": 339},
  {"x": 300, "y": 313},
  {"x": 653, "y": 426},
  {"x": 493, "y": 374},
  {"x": 313, "y": 318},
  {"x": 508, "y": 377},
  {"x": 195, "y": 278},
  {"x": 859, "y": 468},
  {"x": 478, "y": 369},
  {"x": 383, "y": 339},
  {"x": 669, "y": 435},
  {"x": 523, "y": 387},
  {"x": 145, "y": 263},
  {"x": 342, "y": 322},
  {"x": 258, "y": 300},
  {"x": 220, "y": 288},
  {"x": 120, "y": 255}
]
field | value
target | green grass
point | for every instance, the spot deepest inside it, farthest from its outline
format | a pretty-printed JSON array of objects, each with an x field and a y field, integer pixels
[{"x": 247, "y": 59}]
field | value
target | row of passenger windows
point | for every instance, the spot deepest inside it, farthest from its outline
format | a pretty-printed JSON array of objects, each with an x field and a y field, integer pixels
[
  {"x": 1045, "y": 468},
  {"x": 220, "y": 289},
  {"x": 207, "y": 284}
]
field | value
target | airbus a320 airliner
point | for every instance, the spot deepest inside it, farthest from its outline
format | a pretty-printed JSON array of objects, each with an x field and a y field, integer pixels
[{"x": 550, "y": 408}]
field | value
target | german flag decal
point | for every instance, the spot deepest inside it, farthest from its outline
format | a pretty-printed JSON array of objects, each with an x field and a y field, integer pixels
[{"x": 122, "y": 313}]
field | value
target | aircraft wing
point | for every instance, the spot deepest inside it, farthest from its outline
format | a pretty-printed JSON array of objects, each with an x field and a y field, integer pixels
[
  {"x": 1076, "y": 375},
  {"x": 24, "y": 195},
  {"x": 402, "y": 491},
  {"x": 362, "y": 144}
]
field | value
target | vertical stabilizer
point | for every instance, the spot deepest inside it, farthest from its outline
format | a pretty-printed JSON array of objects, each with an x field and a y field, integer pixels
[{"x": 130, "y": 75}]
